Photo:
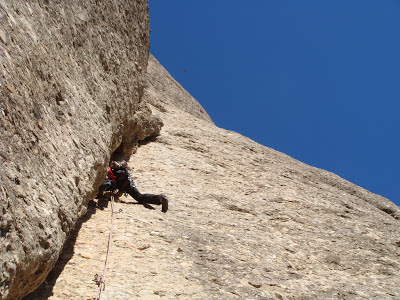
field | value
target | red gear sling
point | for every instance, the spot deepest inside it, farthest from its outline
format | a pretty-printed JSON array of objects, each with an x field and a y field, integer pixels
[{"x": 111, "y": 175}]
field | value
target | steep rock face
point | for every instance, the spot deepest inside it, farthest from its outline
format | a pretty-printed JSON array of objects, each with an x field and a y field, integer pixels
[
  {"x": 245, "y": 222},
  {"x": 72, "y": 78}
]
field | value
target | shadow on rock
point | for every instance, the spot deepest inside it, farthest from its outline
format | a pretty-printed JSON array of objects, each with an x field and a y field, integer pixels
[
  {"x": 146, "y": 205},
  {"x": 45, "y": 290},
  {"x": 104, "y": 201}
]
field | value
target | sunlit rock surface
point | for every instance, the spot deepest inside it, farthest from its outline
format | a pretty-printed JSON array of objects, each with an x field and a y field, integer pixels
[
  {"x": 245, "y": 222},
  {"x": 72, "y": 75}
]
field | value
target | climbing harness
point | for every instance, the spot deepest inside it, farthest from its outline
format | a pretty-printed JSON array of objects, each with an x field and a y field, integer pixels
[{"x": 100, "y": 280}]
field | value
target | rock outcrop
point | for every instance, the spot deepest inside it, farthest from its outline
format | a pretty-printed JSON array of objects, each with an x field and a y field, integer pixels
[
  {"x": 71, "y": 86},
  {"x": 245, "y": 222}
]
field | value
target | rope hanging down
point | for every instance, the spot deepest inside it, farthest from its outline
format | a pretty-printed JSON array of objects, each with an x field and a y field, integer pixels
[{"x": 100, "y": 280}]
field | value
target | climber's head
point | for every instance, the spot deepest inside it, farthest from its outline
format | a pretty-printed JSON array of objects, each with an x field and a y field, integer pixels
[
  {"x": 118, "y": 164},
  {"x": 123, "y": 164},
  {"x": 114, "y": 165}
]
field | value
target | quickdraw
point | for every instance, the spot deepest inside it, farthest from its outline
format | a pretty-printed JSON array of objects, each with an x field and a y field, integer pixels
[{"x": 100, "y": 280}]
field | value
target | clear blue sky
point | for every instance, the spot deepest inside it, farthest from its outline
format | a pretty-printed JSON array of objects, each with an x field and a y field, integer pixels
[{"x": 317, "y": 80}]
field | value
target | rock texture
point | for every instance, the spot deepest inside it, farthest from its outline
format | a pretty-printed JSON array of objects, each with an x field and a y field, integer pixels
[
  {"x": 72, "y": 75},
  {"x": 245, "y": 222}
]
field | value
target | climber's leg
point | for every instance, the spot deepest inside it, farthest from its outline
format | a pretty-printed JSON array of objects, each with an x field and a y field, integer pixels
[
  {"x": 155, "y": 199},
  {"x": 132, "y": 190}
]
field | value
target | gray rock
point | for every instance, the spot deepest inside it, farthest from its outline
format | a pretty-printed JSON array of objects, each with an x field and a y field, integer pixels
[
  {"x": 73, "y": 74},
  {"x": 251, "y": 223},
  {"x": 3, "y": 37}
]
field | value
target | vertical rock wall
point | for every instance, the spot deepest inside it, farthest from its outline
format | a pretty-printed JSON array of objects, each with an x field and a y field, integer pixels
[{"x": 72, "y": 75}]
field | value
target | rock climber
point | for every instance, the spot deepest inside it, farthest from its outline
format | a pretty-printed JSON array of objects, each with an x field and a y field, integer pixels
[{"x": 118, "y": 178}]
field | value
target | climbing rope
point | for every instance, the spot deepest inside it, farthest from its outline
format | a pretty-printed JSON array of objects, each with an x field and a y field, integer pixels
[{"x": 100, "y": 280}]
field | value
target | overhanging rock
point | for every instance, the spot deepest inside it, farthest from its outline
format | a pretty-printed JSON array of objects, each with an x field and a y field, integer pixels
[{"x": 72, "y": 78}]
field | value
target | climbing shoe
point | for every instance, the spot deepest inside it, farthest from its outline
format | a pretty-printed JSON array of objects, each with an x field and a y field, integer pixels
[{"x": 164, "y": 204}]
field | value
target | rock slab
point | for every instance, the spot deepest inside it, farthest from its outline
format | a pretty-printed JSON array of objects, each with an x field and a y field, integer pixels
[{"x": 245, "y": 222}]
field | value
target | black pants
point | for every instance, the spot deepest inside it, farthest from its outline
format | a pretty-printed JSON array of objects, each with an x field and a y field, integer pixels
[{"x": 128, "y": 186}]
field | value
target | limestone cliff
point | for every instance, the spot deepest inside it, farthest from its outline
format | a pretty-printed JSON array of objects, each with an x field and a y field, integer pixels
[
  {"x": 72, "y": 75},
  {"x": 245, "y": 222}
]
